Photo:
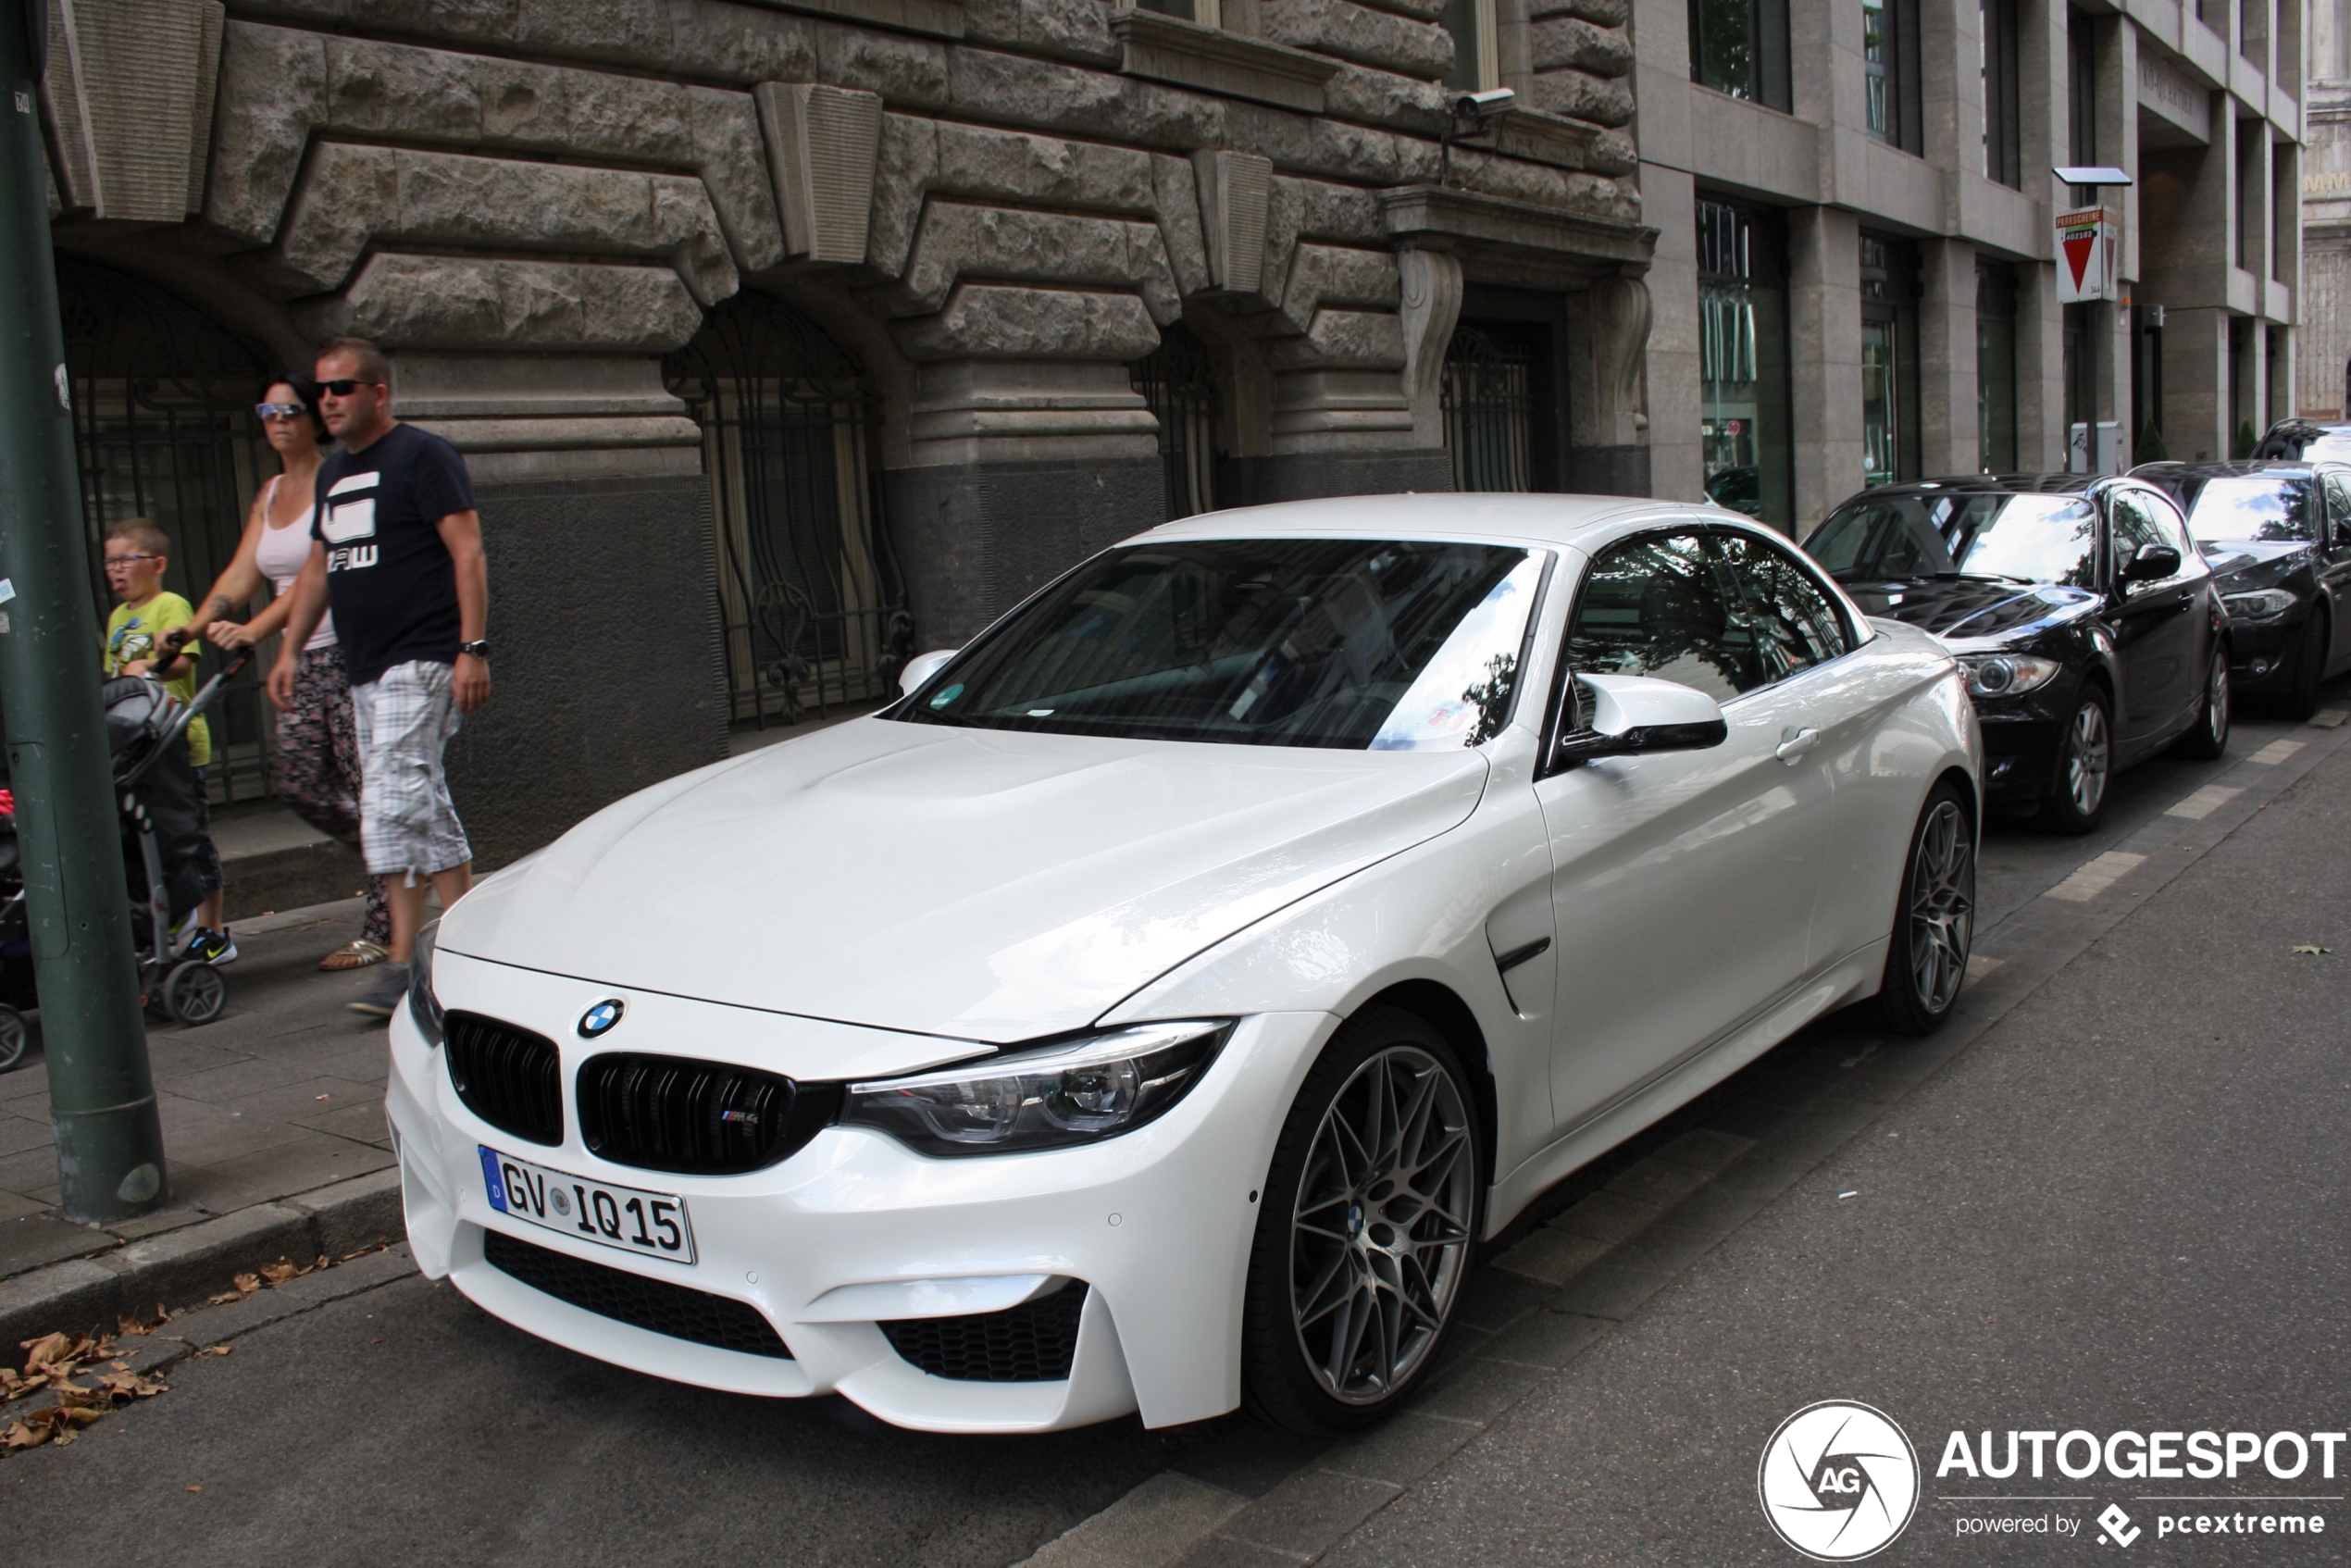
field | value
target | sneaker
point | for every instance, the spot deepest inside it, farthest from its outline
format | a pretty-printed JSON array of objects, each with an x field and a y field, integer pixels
[
  {"x": 385, "y": 992},
  {"x": 207, "y": 946}
]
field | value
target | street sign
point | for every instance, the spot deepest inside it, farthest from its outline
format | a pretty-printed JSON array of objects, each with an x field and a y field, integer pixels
[{"x": 2086, "y": 241}]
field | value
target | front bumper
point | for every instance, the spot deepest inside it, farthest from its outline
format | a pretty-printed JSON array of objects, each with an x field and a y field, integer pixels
[
  {"x": 1158, "y": 1223},
  {"x": 2262, "y": 654},
  {"x": 2021, "y": 741}
]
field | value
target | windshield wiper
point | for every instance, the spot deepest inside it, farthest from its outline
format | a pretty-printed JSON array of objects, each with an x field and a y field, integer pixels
[{"x": 1989, "y": 577}]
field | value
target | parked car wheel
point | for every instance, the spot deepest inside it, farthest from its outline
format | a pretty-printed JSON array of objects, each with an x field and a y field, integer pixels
[
  {"x": 2208, "y": 739},
  {"x": 15, "y": 1034},
  {"x": 2085, "y": 764},
  {"x": 2310, "y": 669},
  {"x": 1935, "y": 924},
  {"x": 1364, "y": 1232}
]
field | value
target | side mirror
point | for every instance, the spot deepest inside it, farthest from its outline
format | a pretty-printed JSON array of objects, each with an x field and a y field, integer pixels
[
  {"x": 2152, "y": 564},
  {"x": 1628, "y": 715},
  {"x": 921, "y": 667}
]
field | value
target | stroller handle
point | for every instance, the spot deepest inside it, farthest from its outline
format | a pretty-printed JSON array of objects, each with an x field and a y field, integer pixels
[{"x": 187, "y": 714}]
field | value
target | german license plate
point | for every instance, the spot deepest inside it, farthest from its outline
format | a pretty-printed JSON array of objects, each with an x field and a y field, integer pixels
[{"x": 628, "y": 1218}]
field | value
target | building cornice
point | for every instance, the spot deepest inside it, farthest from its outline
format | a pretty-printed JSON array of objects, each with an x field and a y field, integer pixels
[{"x": 1165, "y": 48}]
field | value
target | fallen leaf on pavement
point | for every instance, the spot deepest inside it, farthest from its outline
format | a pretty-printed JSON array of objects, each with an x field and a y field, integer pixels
[
  {"x": 2310, "y": 949},
  {"x": 132, "y": 1386},
  {"x": 73, "y": 1396},
  {"x": 247, "y": 1283},
  {"x": 216, "y": 1349},
  {"x": 195, "y": 1489},
  {"x": 279, "y": 1271},
  {"x": 223, "y": 1299},
  {"x": 52, "y": 1351}
]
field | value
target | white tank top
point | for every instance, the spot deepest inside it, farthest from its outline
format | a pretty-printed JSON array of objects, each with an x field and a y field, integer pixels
[{"x": 281, "y": 555}]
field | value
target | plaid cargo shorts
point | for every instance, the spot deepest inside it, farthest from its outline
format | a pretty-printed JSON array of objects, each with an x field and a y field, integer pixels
[{"x": 407, "y": 822}]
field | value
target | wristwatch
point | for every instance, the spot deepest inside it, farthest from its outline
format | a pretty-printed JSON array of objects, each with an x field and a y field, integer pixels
[{"x": 479, "y": 648}]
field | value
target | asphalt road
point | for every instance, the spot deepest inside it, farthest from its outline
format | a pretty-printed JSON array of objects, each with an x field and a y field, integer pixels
[{"x": 2120, "y": 1207}]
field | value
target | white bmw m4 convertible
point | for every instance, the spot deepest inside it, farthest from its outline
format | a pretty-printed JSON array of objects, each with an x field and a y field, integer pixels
[{"x": 1154, "y": 1008}]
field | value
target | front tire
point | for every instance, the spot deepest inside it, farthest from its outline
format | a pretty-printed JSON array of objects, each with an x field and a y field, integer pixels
[
  {"x": 2085, "y": 766},
  {"x": 1364, "y": 1234},
  {"x": 1935, "y": 924},
  {"x": 15, "y": 1035},
  {"x": 2208, "y": 740}
]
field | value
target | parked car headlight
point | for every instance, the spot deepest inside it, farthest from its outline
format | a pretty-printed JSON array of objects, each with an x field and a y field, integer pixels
[
  {"x": 424, "y": 1008},
  {"x": 2006, "y": 675},
  {"x": 2255, "y": 606},
  {"x": 1074, "y": 1093}
]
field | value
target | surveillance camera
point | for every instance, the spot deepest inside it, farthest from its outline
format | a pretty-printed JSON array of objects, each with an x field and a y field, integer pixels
[{"x": 1482, "y": 105}]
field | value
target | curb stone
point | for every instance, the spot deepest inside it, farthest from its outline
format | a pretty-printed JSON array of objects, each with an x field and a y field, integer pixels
[{"x": 182, "y": 1267}]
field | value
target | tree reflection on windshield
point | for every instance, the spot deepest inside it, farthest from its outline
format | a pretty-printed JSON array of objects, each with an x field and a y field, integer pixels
[{"x": 2048, "y": 539}]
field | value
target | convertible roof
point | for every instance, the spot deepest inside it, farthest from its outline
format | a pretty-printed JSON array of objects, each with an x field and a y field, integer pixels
[{"x": 1550, "y": 519}]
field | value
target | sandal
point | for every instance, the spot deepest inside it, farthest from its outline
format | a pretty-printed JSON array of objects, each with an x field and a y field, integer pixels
[{"x": 355, "y": 954}]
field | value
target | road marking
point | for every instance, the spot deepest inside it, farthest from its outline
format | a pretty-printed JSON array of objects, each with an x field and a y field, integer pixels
[
  {"x": 2204, "y": 803},
  {"x": 2274, "y": 752},
  {"x": 2330, "y": 718},
  {"x": 2095, "y": 878}
]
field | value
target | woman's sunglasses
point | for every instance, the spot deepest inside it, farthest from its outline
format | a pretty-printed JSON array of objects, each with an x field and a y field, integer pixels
[{"x": 279, "y": 410}]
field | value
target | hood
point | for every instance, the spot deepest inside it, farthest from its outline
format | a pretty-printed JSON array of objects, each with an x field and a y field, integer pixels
[
  {"x": 2240, "y": 565},
  {"x": 985, "y": 884},
  {"x": 1967, "y": 609}
]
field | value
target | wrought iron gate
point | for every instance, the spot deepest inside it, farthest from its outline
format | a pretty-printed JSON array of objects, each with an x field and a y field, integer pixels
[
  {"x": 1489, "y": 410},
  {"x": 1180, "y": 385},
  {"x": 814, "y": 612},
  {"x": 163, "y": 428}
]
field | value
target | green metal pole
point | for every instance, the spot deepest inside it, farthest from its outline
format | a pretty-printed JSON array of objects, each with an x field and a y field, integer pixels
[{"x": 102, "y": 1100}]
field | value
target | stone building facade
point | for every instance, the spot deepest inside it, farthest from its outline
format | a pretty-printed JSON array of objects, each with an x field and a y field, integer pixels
[
  {"x": 2325, "y": 379},
  {"x": 1857, "y": 267},
  {"x": 786, "y": 336}
]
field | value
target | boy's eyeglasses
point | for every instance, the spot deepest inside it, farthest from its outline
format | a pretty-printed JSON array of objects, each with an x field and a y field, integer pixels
[
  {"x": 279, "y": 410},
  {"x": 345, "y": 386},
  {"x": 114, "y": 561}
]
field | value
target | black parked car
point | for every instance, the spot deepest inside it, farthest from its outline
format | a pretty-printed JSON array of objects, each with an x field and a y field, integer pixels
[
  {"x": 2087, "y": 623},
  {"x": 2307, "y": 440},
  {"x": 2278, "y": 537}
]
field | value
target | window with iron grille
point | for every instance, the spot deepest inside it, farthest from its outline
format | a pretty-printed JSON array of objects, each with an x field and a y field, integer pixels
[
  {"x": 1178, "y": 383},
  {"x": 163, "y": 428},
  {"x": 1489, "y": 408},
  {"x": 814, "y": 612}
]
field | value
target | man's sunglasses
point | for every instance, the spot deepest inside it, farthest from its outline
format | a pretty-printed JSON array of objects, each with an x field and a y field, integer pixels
[
  {"x": 279, "y": 410},
  {"x": 345, "y": 387}
]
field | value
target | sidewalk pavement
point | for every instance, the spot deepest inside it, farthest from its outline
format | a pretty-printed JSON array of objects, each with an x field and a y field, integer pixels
[{"x": 281, "y": 1097}]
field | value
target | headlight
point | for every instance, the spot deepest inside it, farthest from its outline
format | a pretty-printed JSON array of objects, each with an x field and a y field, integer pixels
[
  {"x": 1079, "y": 1092},
  {"x": 423, "y": 1009},
  {"x": 2006, "y": 675},
  {"x": 2254, "y": 607}
]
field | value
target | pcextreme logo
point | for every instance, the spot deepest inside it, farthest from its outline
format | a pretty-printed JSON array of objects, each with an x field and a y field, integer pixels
[{"x": 1838, "y": 1481}]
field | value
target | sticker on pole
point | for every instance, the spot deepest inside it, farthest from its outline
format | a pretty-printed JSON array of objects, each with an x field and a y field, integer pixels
[{"x": 8, "y": 590}]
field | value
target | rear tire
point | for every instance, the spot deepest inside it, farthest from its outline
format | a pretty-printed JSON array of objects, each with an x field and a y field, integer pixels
[
  {"x": 194, "y": 993},
  {"x": 2309, "y": 667},
  {"x": 2208, "y": 739},
  {"x": 1935, "y": 923},
  {"x": 15, "y": 1035},
  {"x": 2085, "y": 766},
  {"x": 1364, "y": 1236}
]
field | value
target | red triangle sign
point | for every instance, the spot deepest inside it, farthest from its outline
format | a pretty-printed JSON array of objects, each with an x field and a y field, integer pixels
[{"x": 2077, "y": 255}]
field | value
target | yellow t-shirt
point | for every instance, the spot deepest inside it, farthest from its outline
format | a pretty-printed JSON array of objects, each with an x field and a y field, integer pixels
[{"x": 132, "y": 631}]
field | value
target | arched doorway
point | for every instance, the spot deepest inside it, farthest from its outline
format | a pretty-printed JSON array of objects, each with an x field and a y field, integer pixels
[
  {"x": 1178, "y": 382},
  {"x": 814, "y": 610},
  {"x": 163, "y": 428}
]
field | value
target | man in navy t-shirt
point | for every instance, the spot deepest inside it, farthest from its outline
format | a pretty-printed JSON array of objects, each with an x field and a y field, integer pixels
[{"x": 396, "y": 554}]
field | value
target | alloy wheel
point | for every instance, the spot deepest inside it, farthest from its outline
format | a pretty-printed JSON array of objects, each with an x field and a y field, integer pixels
[
  {"x": 2215, "y": 701},
  {"x": 2087, "y": 755},
  {"x": 1379, "y": 1236},
  {"x": 1942, "y": 907}
]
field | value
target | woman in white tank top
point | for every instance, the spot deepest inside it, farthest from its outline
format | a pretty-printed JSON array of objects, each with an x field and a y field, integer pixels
[{"x": 318, "y": 755}]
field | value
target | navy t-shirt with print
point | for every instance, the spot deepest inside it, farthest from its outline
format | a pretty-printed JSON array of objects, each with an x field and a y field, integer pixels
[{"x": 389, "y": 578}]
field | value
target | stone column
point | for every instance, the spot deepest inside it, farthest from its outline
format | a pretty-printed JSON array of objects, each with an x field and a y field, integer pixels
[
  {"x": 1947, "y": 408},
  {"x": 1824, "y": 355},
  {"x": 2040, "y": 368},
  {"x": 1607, "y": 338},
  {"x": 1677, "y": 467},
  {"x": 2195, "y": 381}
]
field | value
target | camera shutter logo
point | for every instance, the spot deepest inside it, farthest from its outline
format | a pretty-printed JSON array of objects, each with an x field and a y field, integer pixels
[{"x": 1839, "y": 1481}]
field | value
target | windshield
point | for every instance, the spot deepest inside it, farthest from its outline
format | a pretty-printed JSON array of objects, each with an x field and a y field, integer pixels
[
  {"x": 1382, "y": 645},
  {"x": 2264, "y": 506},
  {"x": 2333, "y": 445},
  {"x": 2026, "y": 538}
]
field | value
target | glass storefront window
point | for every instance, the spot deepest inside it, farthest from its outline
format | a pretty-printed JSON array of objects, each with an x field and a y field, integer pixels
[
  {"x": 1880, "y": 402},
  {"x": 1743, "y": 368},
  {"x": 1889, "y": 361}
]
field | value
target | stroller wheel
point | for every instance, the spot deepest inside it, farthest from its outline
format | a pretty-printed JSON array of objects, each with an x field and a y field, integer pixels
[
  {"x": 15, "y": 1034},
  {"x": 194, "y": 993}
]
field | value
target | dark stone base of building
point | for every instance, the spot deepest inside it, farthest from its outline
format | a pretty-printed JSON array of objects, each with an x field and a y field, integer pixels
[
  {"x": 605, "y": 667},
  {"x": 1609, "y": 470},
  {"x": 1256, "y": 482},
  {"x": 974, "y": 540}
]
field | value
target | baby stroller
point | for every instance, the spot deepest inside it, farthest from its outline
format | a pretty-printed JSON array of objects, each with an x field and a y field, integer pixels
[{"x": 162, "y": 812}]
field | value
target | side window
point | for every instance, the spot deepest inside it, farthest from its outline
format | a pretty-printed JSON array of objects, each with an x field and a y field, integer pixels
[
  {"x": 2132, "y": 523},
  {"x": 1665, "y": 607},
  {"x": 2338, "y": 509},
  {"x": 1795, "y": 626}
]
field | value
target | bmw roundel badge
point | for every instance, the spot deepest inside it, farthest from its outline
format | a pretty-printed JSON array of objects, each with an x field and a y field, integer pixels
[{"x": 599, "y": 1018}]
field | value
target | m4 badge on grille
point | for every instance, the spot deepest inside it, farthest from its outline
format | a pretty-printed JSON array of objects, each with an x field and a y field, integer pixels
[{"x": 600, "y": 1018}]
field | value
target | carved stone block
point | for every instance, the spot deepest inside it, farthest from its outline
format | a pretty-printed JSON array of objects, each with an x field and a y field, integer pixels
[
  {"x": 464, "y": 302},
  {"x": 821, "y": 144},
  {"x": 127, "y": 105},
  {"x": 1235, "y": 189},
  {"x": 1357, "y": 33}
]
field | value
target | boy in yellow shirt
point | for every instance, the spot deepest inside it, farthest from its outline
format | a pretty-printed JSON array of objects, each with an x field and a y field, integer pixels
[{"x": 138, "y": 552}]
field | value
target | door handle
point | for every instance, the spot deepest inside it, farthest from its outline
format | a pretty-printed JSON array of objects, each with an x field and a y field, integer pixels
[{"x": 1795, "y": 744}]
